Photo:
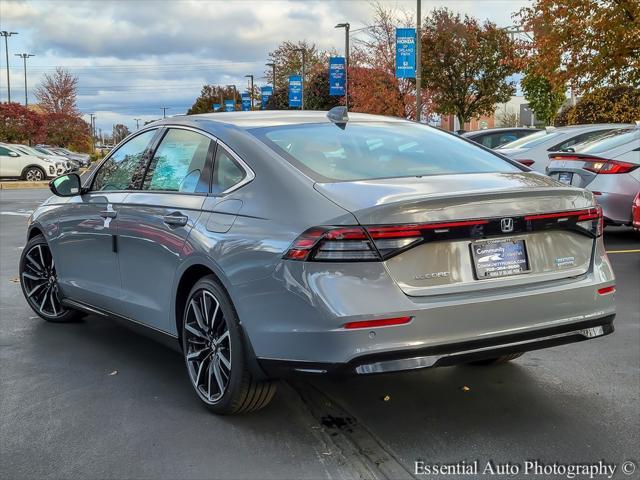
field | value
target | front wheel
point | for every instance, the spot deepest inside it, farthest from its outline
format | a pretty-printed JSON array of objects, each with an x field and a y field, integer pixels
[
  {"x": 214, "y": 353},
  {"x": 39, "y": 282},
  {"x": 33, "y": 174}
]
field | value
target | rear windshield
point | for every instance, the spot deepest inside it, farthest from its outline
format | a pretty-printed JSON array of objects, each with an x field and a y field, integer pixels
[
  {"x": 611, "y": 140},
  {"x": 371, "y": 150},
  {"x": 532, "y": 140}
]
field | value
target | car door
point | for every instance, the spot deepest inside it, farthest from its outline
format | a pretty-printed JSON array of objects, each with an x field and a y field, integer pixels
[
  {"x": 155, "y": 221},
  {"x": 85, "y": 248},
  {"x": 10, "y": 163}
]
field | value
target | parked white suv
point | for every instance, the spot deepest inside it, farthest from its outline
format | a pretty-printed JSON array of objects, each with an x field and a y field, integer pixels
[{"x": 16, "y": 164}]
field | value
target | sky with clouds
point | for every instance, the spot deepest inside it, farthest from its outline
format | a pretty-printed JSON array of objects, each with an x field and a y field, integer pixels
[{"x": 134, "y": 56}]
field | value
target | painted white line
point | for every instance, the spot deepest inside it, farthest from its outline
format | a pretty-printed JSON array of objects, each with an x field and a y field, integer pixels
[{"x": 17, "y": 214}]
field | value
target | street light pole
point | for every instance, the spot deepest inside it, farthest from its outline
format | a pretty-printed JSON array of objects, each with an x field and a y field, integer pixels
[
  {"x": 346, "y": 27},
  {"x": 24, "y": 57},
  {"x": 251, "y": 92},
  {"x": 164, "y": 111},
  {"x": 92, "y": 116},
  {"x": 302, "y": 50},
  {"x": 6, "y": 35},
  {"x": 419, "y": 63},
  {"x": 273, "y": 65},
  {"x": 137, "y": 123}
]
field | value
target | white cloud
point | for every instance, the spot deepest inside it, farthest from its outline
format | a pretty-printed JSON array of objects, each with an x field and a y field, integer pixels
[{"x": 134, "y": 56}]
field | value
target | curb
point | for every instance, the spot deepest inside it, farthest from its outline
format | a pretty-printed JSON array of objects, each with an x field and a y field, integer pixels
[{"x": 18, "y": 184}]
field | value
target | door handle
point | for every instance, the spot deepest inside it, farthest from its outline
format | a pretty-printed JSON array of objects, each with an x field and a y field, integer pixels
[
  {"x": 176, "y": 219},
  {"x": 108, "y": 213}
]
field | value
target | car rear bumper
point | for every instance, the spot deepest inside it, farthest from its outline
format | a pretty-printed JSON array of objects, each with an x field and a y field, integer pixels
[
  {"x": 298, "y": 319},
  {"x": 448, "y": 355}
]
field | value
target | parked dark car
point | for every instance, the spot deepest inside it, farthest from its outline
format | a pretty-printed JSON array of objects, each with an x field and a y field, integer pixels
[{"x": 495, "y": 137}]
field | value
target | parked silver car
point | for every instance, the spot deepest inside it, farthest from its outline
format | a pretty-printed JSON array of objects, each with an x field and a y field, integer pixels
[
  {"x": 533, "y": 150},
  {"x": 609, "y": 167},
  {"x": 266, "y": 243}
]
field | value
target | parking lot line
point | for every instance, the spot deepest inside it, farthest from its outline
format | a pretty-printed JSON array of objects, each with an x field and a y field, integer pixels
[{"x": 624, "y": 251}]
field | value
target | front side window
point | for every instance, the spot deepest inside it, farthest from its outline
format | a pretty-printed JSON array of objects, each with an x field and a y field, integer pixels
[
  {"x": 371, "y": 150},
  {"x": 124, "y": 169},
  {"x": 226, "y": 172},
  {"x": 178, "y": 163}
]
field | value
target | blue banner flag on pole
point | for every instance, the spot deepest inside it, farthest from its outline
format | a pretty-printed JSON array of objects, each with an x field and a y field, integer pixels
[
  {"x": 405, "y": 52},
  {"x": 230, "y": 105},
  {"x": 295, "y": 91},
  {"x": 266, "y": 93},
  {"x": 216, "y": 107},
  {"x": 336, "y": 76},
  {"x": 246, "y": 101}
]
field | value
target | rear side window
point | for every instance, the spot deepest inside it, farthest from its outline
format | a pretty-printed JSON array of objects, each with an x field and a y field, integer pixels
[
  {"x": 125, "y": 168},
  {"x": 582, "y": 138},
  {"x": 614, "y": 139},
  {"x": 178, "y": 163},
  {"x": 4, "y": 152},
  {"x": 370, "y": 150},
  {"x": 533, "y": 140},
  {"x": 226, "y": 172}
]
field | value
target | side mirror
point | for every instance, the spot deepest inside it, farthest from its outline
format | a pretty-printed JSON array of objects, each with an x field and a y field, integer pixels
[
  {"x": 13, "y": 154},
  {"x": 66, "y": 185}
]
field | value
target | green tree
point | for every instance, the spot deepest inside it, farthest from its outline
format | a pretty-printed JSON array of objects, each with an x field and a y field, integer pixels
[
  {"x": 544, "y": 99},
  {"x": 619, "y": 104},
  {"x": 465, "y": 65},
  {"x": 211, "y": 94}
]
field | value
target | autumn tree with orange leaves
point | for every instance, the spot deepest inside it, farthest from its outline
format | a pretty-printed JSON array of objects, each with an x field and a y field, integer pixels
[
  {"x": 584, "y": 43},
  {"x": 466, "y": 65}
]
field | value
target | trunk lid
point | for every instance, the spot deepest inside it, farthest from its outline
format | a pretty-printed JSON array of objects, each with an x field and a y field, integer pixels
[{"x": 444, "y": 261}]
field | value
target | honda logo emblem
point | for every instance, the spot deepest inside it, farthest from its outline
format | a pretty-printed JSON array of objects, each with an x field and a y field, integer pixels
[{"x": 506, "y": 225}]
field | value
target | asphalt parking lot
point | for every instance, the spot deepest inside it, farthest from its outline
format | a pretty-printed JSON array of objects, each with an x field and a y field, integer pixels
[{"x": 95, "y": 400}]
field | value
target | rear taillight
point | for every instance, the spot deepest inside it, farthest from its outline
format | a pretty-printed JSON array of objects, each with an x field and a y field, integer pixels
[
  {"x": 342, "y": 244},
  {"x": 372, "y": 243},
  {"x": 590, "y": 220},
  {"x": 526, "y": 163},
  {"x": 600, "y": 166},
  {"x": 636, "y": 201}
]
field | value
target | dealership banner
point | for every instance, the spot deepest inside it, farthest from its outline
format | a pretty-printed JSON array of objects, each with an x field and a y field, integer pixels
[
  {"x": 336, "y": 76},
  {"x": 295, "y": 91},
  {"x": 405, "y": 52},
  {"x": 230, "y": 105},
  {"x": 246, "y": 101},
  {"x": 266, "y": 93}
]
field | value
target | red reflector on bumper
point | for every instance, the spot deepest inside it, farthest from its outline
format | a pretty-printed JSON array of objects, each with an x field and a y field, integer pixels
[
  {"x": 385, "y": 322},
  {"x": 605, "y": 290}
]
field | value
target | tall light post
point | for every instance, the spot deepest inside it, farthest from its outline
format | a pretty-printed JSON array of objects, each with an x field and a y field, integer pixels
[
  {"x": 303, "y": 52},
  {"x": 164, "y": 111},
  {"x": 273, "y": 66},
  {"x": 346, "y": 27},
  {"x": 24, "y": 57},
  {"x": 419, "y": 63},
  {"x": 92, "y": 116},
  {"x": 250, "y": 77},
  {"x": 6, "y": 35},
  {"x": 137, "y": 123}
]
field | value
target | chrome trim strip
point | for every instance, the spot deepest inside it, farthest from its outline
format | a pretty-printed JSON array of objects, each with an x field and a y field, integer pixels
[{"x": 431, "y": 360}]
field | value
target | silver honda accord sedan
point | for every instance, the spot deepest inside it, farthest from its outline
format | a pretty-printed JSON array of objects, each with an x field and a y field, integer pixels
[{"x": 270, "y": 243}]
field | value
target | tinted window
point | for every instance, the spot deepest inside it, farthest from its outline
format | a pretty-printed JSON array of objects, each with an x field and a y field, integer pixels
[
  {"x": 370, "y": 150},
  {"x": 226, "y": 172},
  {"x": 582, "y": 138},
  {"x": 124, "y": 169},
  {"x": 533, "y": 140},
  {"x": 178, "y": 163},
  {"x": 612, "y": 140},
  {"x": 4, "y": 152}
]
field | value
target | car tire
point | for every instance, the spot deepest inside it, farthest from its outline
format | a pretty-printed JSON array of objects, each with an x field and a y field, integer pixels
[
  {"x": 33, "y": 174},
  {"x": 215, "y": 355},
  {"x": 39, "y": 283},
  {"x": 497, "y": 360}
]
